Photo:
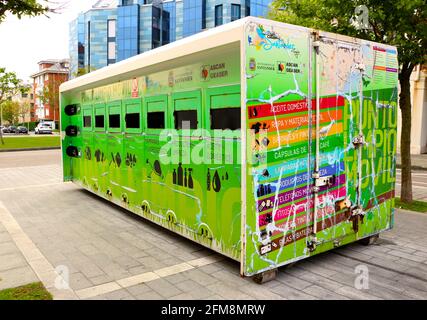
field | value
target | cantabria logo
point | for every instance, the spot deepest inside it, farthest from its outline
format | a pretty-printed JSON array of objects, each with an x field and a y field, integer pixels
[
  {"x": 204, "y": 72},
  {"x": 268, "y": 40}
]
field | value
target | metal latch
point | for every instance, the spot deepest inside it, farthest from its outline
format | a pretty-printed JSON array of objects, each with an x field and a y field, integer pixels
[
  {"x": 322, "y": 181},
  {"x": 359, "y": 141},
  {"x": 357, "y": 211}
]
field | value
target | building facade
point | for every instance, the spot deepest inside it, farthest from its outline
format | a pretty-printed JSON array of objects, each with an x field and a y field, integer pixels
[
  {"x": 45, "y": 89},
  {"x": 419, "y": 112},
  {"x": 24, "y": 98},
  {"x": 118, "y": 29}
]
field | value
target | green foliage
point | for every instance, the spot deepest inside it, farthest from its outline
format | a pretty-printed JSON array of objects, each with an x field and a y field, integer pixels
[
  {"x": 21, "y": 8},
  {"x": 25, "y": 142},
  {"x": 32, "y": 291},
  {"x": 9, "y": 84},
  {"x": 415, "y": 205},
  {"x": 401, "y": 23},
  {"x": 10, "y": 111}
]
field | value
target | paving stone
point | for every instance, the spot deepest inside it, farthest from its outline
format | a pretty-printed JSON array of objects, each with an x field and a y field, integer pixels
[
  {"x": 353, "y": 293},
  {"x": 11, "y": 261},
  {"x": 177, "y": 278},
  {"x": 8, "y": 247},
  {"x": 289, "y": 293},
  {"x": 321, "y": 281},
  {"x": 79, "y": 281},
  {"x": 323, "y": 293},
  {"x": 193, "y": 288},
  {"x": 100, "y": 279},
  {"x": 13, "y": 278},
  {"x": 292, "y": 281},
  {"x": 121, "y": 294},
  {"x": 200, "y": 276},
  {"x": 150, "y": 295},
  {"x": 182, "y": 296},
  {"x": 408, "y": 256},
  {"x": 139, "y": 289},
  {"x": 164, "y": 288},
  {"x": 227, "y": 291}
]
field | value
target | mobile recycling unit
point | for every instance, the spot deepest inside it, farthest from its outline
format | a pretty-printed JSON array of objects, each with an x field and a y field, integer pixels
[{"x": 264, "y": 141}]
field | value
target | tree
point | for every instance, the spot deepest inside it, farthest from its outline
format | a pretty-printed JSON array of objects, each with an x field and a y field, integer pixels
[
  {"x": 23, "y": 109},
  {"x": 10, "y": 111},
  {"x": 30, "y": 8},
  {"x": 9, "y": 86},
  {"x": 21, "y": 8},
  {"x": 400, "y": 23}
]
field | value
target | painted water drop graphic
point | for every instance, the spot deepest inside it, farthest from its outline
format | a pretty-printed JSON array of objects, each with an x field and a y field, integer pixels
[{"x": 216, "y": 181}]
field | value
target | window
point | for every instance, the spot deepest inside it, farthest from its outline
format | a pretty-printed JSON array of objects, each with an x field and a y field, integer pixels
[
  {"x": 87, "y": 121},
  {"x": 156, "y": 120},
  {"x": 183, "y": 117},
  {"x": 218, "y": 15},
  {"x": 235, "y": 12},
  {"x": 111, "y": 28},
  {"x": 99, "y": 121},
  {"x": 111, "y": 50},
  {"x": 114, "y": 120},
  {"x": 132, "y": 121},
  {"x": 227, "y": 118}
]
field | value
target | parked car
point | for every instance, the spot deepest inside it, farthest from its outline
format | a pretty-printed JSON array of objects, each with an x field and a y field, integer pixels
[
  {"x": 21, "y": 130},
  {"x": 43, "y": 128},
  {"x": 6, "y": 130},
  {"x": 13, "y": 129}
]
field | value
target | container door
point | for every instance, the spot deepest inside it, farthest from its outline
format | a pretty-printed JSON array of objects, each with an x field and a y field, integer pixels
[
  {"x": 100, "y": 150},
  {"x": 156, "y": 194},
  {"x": 278, "y": 173},
  {"x": 222, "y": 191},
  {"x": 133, "y": 155},
  {"x": 115, "y": 149},
  {"x": 86, "y": 151},
  {"x": 356, "y": 89},
  {"x": 337, "y": 94},
  {"x": 187, "y": 121}
]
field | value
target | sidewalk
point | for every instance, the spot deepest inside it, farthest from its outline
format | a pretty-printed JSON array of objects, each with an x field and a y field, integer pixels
[{"x": 419, "y": 161}]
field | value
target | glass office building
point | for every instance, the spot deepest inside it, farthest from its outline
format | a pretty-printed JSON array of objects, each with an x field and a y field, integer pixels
[{"x": 117, "y": 30}]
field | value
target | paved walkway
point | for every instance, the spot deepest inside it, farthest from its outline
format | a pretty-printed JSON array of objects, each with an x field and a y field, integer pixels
[
  {"x": 418, "y": 161},
  {"x": 48, "y": 227}
]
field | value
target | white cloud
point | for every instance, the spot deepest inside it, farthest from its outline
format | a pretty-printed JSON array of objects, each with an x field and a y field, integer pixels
[{"x": 27, "y": 41}]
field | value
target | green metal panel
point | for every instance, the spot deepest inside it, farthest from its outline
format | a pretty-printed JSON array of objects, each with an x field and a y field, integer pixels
[{"x": 200, "y": 201}]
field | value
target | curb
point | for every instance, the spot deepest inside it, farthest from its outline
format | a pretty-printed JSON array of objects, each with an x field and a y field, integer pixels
[
  {"x": 30, "y": 149},
  {"x": 420, "y": 168}
]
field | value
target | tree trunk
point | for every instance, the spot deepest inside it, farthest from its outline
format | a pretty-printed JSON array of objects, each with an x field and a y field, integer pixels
[{"x": 405, "y": 138}]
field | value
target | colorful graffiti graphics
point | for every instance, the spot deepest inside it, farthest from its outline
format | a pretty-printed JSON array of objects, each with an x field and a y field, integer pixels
[{"x": 280, "y": 173}]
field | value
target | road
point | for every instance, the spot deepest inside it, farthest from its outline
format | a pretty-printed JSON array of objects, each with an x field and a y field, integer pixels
[{"x": 108, "y": 253}]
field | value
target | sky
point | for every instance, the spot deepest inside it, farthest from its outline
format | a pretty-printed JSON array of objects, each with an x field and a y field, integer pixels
[{"x": 29, "y": 40}]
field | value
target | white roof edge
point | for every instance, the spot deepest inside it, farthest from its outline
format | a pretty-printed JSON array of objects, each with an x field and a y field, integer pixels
[
  {"x": 211, "y": 38},
  {"x": 205, "y": 40}
]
